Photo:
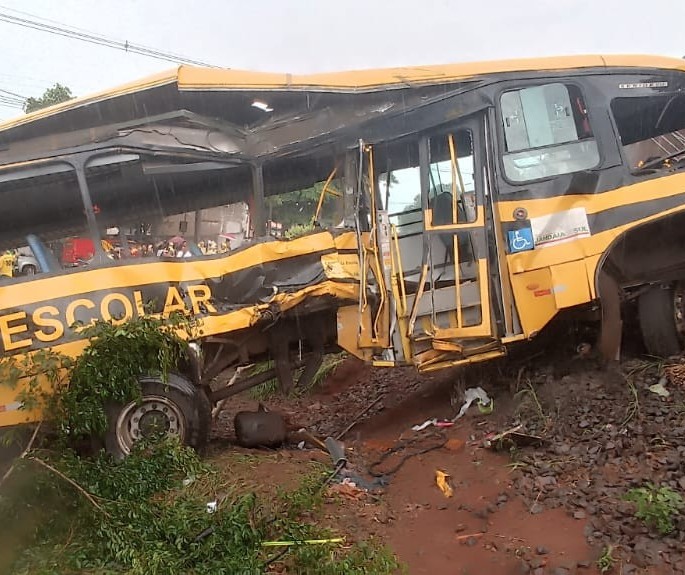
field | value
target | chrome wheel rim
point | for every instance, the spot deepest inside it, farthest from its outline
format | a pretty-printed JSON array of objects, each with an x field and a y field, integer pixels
[{"x": 153, "y": 415}]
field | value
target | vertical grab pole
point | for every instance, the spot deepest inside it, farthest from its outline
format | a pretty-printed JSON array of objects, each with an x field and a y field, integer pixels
[
  {"x": 79, "y": 165},
  {"x": 457, "y": 279}
]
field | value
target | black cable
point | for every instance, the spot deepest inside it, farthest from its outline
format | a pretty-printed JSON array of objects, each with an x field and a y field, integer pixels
[
  {"x": 99, "y": 40},
  {"x": 404, "y": 445},
  {"x": 275, "y": 558},
  {"x": 12, "y": 94}
]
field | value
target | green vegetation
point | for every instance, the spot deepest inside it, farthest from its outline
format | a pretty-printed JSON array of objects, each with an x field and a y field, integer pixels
[
  {"x": 150, "y": 517},
  {"x": 148, "y": 514},
  {"x": 55, "y": 95},
  {"x": 656, "y": 506},
  {"x": 606, "y": 561},
  {"x": 299, "y": 230},
  {"x": 296, "y": 209},
  {"x": 105, "y": 373},
  {"x": 270, "y": 388}
]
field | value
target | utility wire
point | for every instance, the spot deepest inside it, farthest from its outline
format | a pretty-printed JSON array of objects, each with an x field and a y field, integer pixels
[
  {"x": 12, "y": 94},
  {"x": 11, "y": 104},
  {"x": 126, "y": 46}
]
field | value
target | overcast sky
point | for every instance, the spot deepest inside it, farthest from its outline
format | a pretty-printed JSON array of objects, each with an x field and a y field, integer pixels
[{"x": 319, "y": 35}]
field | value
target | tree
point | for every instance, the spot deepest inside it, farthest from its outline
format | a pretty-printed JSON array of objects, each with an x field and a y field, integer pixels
[
  {"x": 55, "y": 95},
  {"x": 297, "y": 208}
]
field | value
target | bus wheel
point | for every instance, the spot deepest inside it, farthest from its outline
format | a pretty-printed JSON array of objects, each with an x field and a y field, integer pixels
[
  {"x": 660, "y": 310},
  {"x": 175, "y": 408}
]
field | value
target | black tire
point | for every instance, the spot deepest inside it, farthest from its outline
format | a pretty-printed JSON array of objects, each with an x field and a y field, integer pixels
[
  {"x": 29, "y": 270},
  {"x": 176, "y": 407},
  {"x": 658, "y": 321}
]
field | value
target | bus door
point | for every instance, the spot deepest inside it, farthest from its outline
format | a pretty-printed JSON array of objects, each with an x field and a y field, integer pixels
[{"x": 430, "y": 213}]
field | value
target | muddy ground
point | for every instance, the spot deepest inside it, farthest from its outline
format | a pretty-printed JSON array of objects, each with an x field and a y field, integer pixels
[{"x": 548, "y": 508}]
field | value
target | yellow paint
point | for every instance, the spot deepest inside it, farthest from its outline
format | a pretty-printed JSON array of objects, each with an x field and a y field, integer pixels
[
  {"x": 82, "y": 281},
  {"x": 12, "y": 325},
  {"x": 56, "y": 326},
  {"x": 441, "y": 345},
  {"x": 442, "y": 480},
  {"x": 8, "y": 395},
  {"x": 349, "y": 324},
  {"x": 593, "y": 203},
  {"x": 190, "y": 78},
  {"x": 591, "y": 264},
  {"x": 534, "y": 299},
  {"x": 479, "y": 222},
  {"x": 478, "y": 358},
  {"x": 484, "y": 329},
  {"x": 341, "y": 266},
  {"x": 569, "y": 284}
]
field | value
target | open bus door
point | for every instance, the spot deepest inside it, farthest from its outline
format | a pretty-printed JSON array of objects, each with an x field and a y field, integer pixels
[{"x": 428, "y": 278}]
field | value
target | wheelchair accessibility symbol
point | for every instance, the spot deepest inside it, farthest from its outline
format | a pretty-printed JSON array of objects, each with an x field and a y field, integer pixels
[{"x": 521, "y": 240}]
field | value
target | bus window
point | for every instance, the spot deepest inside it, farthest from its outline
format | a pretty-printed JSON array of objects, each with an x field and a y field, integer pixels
[
  {"x": 399, "y": 185},
  {"x": 43, "y": 212},
  {"x": 651, "y": 128},
  {"x": 547, "y": 132},
  {"x": 451, "y": 177},
  {"x": 308, "y": 206}
]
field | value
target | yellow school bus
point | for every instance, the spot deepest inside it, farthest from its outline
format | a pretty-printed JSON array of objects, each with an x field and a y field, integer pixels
[{"x": 476, "y": 203}]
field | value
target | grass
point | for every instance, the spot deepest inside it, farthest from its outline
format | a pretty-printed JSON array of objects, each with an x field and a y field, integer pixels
[
  {"x": 270, "y": 388},
  {"x": 606, "y": 561},
  {"x": 528, "y": 399},
  {"x": 152, "y": 519},
  {"x": 657, "y": 507}
]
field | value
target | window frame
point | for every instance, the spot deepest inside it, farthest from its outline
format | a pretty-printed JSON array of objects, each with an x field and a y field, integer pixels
[{"x": 501, "y": 137}]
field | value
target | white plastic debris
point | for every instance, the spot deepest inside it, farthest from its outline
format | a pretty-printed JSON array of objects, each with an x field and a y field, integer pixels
[
  {"x": 422, "y": 426},
  {"x": 470, "y": 395},
  {"x": 301, "y": 445},
  {"x": 659, "y": 389},
  {"x": 212, "y": 506}
]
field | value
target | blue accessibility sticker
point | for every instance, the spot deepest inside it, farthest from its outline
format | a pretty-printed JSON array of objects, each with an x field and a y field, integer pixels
[{"x": 521, "y": 240}]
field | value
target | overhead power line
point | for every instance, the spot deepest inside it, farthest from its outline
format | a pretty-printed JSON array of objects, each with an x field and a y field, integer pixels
[
  {"x": 12, "y": 94},
  {"x": 11, "y": 103},
  {"x": 92, "y": 38}
]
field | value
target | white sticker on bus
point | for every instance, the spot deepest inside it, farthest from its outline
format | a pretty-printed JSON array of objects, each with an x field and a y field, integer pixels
[{"x": 560, "y": 227}]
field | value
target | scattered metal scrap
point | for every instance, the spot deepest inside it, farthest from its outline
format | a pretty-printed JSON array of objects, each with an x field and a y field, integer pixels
[{"x": 513, "y": 437}]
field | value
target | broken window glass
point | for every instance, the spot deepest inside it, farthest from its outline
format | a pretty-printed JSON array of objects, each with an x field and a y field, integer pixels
[{"x": 547, "y": 132}]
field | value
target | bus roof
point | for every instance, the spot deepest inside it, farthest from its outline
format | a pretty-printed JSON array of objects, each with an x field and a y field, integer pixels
[{"x": 189, "y": 79}]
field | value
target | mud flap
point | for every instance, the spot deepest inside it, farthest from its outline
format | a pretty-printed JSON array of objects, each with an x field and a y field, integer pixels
[{"x": 612, "y": 324}]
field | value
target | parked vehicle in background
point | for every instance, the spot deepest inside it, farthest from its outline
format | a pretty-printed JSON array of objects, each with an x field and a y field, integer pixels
[
  {"x": 26, "y": 263},
  {"x": 77, "y": 250}
]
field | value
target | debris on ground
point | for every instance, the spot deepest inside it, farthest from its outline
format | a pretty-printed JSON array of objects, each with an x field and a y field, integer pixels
[
  {"x": 443, "y": 481},
  {"x": 660, "y": 388},
  {"x": 347, "y": 489},
  {"x": 577, "y": 440},
  {"x": 475, "y": 394},
  {"x": 260, "y": 428},
  {"x": 432, "y": 422},
  {"x": 512, "y": 438}
]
